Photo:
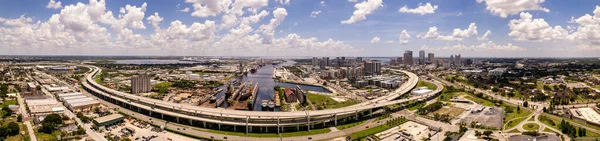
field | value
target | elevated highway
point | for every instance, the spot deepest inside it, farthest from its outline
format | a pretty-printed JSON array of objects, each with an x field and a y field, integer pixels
[{"x": 216, "y": 117}]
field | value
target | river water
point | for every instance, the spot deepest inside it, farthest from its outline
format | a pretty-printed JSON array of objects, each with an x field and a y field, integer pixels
[{"x": 264, "y": 77}]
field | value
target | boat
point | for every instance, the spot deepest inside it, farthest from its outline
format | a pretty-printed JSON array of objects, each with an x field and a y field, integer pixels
[{"x": 253, "y": 70}]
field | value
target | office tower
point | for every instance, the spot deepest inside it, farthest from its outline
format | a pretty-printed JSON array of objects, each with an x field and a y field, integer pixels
[
  {"x": 343, "y": 62},
  {"x": 399, "y": 60},
  {"x": 431, "y": 58},
  {"x": 140, "y": 84},
  {"x": 422, "y": 57},
  {"x": 322, "y": 64},
  {"x": 451, "y": 61},
  {"x": 327, "y": 61},
  {"x": 457, "y": 60},
  {"x": 408, "y": 58},
  {"x": 359, "y": 60},
  {"x": 315, "y": 61},
  {"x": 372, "y": 67}
]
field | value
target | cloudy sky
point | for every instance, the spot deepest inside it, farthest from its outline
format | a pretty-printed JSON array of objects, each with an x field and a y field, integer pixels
[{"x": 475, "y": 28}]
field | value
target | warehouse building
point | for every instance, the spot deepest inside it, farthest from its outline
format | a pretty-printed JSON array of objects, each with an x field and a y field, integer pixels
[
  {"x": 108, "y": 120},
  {"x": 41, "y": 106}
]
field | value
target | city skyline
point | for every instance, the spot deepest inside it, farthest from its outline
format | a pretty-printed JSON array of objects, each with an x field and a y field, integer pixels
[{"x": 472, "y": 28}]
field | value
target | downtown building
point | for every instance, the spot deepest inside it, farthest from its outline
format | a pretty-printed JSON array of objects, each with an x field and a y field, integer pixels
[
  {"x": 408, "y": 58},
  {"x": 140, "y": 84},
  {"x": 421, "y": 57},
  {"x": 372, "y": 67}
]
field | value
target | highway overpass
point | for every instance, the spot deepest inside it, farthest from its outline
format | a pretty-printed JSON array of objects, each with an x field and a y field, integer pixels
[{"x": 240, "y": 120}]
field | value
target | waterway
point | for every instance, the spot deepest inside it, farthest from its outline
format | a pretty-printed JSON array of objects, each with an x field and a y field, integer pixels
[
  {"x": 264, "y": 78},
  {"x": 151, "y": 61}
]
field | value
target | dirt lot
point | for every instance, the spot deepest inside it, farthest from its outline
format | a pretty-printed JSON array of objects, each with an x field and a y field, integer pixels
[
  {"x": 450, "y": 110},
  {"x": 488, "y": 117}
]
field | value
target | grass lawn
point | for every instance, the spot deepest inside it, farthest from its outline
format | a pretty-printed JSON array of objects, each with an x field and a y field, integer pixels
[
  {"x": 480, "y": 100},
  {"x": 430, "y": 86},
  {"x": 447, "y": 96},
  {"x": 546, "y": 118},
  {"x": 596, "y": 86},
  {"x": 326, "y": 102},
  {"x": 514, "y": 131},
  {"x": 373, "y": 130},
  {"x": 531, "y": 126},
  {"x": 285, "y": 134},
  {"x": 45, "y": 137},
  {"x": 548, "y": 130},
  {"x": 418, "y": 106},
  {"x": 9, "y": 102},
  {"x": 15, "y": 138},
  {"x": 450, "y": 111},
  {"x": 515, "y": 117},
  {"x": 349, "y": 125}
]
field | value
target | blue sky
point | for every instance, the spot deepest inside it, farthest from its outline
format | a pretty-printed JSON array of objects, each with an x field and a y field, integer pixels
[{"x": 540, "y": 28}]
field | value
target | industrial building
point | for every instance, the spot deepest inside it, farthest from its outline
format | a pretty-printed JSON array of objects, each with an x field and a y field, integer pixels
[
  {"x": 43, "y": 105},
  {"x": 108, "y": 120}
]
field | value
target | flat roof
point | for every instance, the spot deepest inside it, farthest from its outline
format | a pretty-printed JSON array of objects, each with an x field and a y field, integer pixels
[
  {"x": 108, "y": 118},
  {"x": 74, "y": 97},
  {"x": 85, "y": 103},
  {"x": 589, "y": 114},
  {"x": 45, "y": 101},
  {"x": 69, "y": 94},
  {"x": 79, "y": 100}
]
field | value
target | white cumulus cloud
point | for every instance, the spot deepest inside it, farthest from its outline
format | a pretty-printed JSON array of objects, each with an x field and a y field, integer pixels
[
  {"x": 54, "y": 4},
  {"x": 314, "y": 14},
  {"x": 485, "y": 36},
  {"x": 504, "y": 8},
  {"x": 421, "y": 9},
  {"x": 457, "y": 34},
  {"x": 528, "y": 29},
  {"x": 362, "y": 10},
  {"x": 375, "y": 40},
  {"x": 404, "y": 37}
]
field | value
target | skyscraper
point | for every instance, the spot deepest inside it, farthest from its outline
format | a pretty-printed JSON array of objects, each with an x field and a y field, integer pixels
[
  {"x": 431, "y": 58},
  {"x": 422, "y": 57},
  {"x": 408, "y": 58},
  {"x": 140, "y": 84},
  {"x": 457, "y": 60},
  {"x": 372, "y": 67},
  {"x": 326, "y": 59},
  {"x": 399, "y": 61},
  {"x": 315, "y": 61}
]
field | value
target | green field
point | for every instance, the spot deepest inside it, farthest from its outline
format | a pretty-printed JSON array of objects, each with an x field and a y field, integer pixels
[
  {"x": 285, "y": 134},
  {"x": 546, "y": 118},
  {"x": 515, "y": 117},
  {"x": 447, "y": 96},
  {"x": 326, "y": 102},
  {"x": 430, "y": 86},
  {"x": 531, "y": 126},
  {"x": 9, "y": 102},
  {"x": 376, "y": 129},
  {"x": 480, "y": 100},
  {"x": 350, "y": 125}
]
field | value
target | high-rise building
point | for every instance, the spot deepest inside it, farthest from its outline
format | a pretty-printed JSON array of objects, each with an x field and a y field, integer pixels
[
  {"x": 343, "y": 62},
  {"x": 408, "y": 58},
  {"x": 322, "y": 64},
  {"x": 451, "y": 61},
  {"x": 422, "y": 57},
  {"x": 372, "y": 67},
  {"x": 140, "y": 84},
  {"x": 431, "y": 58},
  {"x": 315, "y": 61},
  {"x": 359, "y": 60},
  {"x": 327, "y": 61},
  {"x": 457, "y": 60},
  {"x": 399, "y": 60}
]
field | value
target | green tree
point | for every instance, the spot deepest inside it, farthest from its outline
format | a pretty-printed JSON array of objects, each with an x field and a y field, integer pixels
[
  {"x": 20, "y": 118},
  {"x": 12, "y": 129}
]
